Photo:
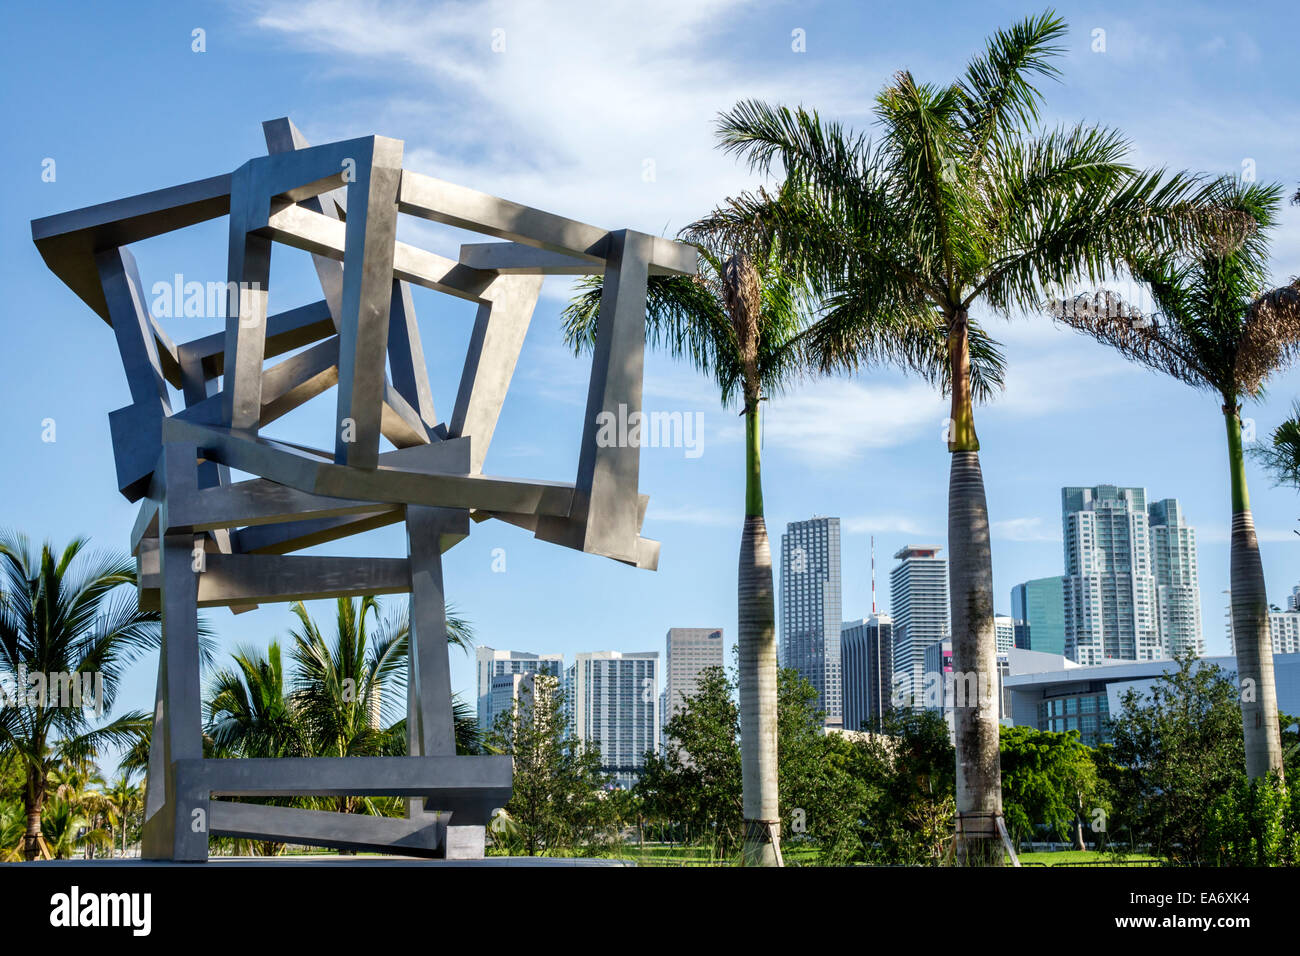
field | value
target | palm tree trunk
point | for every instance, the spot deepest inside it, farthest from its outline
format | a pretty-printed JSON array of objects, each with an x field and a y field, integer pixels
[
  {"x": 32, "y": 837},
  {"x": 1251, "y": 636},
  {"x": 974, "y": 643},
  {"x": 757, "y": 645},
  {"x": 34, "y": 800}
]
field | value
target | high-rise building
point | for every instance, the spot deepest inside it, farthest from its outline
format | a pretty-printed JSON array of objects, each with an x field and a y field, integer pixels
[
  {"x": 810, "y": 609},
  {"x": 1004, "y": 629},
  {"x": 1178, "y": 591},
  {"x": 1283, "y": 628},
  {"x": 612, "y": 700},
  {"x": 867, "y": 653},
  {"x": 1038, "y": 609},
  {"x": 937, "y": 690},
  {"x": 688, "y": 651},
  {"x": 506, "y": 692},
  {"x": 918, "y": 587},
  {"x": 1110, "y": 590},
  {"x": 490, "y": 663}
]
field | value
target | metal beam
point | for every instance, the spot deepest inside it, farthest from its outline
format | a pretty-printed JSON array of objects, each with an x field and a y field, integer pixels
[
  {"x": 604, "y": 516},
  {"x": 343, "y": 831},
  {"x": 233, "y": 579}
]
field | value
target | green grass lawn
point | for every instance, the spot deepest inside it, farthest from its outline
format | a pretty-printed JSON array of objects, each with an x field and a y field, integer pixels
[
  {"x": 1075, "y": 857},
  {"x": 661, "y": 854}
]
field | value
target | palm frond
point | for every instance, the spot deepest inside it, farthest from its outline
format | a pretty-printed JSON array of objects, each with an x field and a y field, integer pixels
[{"x": 1281, "y": 456}]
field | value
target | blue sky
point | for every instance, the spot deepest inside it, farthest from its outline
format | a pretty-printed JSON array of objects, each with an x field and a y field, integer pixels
[{"x": 565, "y": 117}]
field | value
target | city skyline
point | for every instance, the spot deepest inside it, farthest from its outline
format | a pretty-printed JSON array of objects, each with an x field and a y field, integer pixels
[{"x": 868, "y": 449}]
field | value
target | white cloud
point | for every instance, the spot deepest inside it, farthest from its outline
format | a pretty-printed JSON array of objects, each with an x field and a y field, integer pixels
[
  {"x": 888, "y": 524},
  {"x": 837, "y": 421},
  {"x": 1220, "y": 534},
  {"x": 686, "y": 514},
  {"x": 576, "y": 108},
  {"x": 1023, "y": 529}
]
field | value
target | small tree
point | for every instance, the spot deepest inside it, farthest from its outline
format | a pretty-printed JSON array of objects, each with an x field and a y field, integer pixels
[
  {"x": 911, "y": 812},
  {"x": 65, "y": 613},
  {"x": 696, "y": 782},
  {"x": 556, "y": 801},
  {"x": 1180, "y": 745},
  {"x": 1047, "y": 778}
]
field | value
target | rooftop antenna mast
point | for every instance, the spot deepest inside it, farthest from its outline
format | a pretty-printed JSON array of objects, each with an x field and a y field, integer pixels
[{"x": 873, "y": 575}]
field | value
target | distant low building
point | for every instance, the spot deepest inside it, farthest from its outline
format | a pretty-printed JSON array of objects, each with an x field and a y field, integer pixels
[
  {"x": 943, "y": 687},
  {"x": 1067, "y": 696}
]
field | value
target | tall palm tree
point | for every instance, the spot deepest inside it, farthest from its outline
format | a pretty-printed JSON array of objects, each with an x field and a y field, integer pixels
[
  {"x": 62, "y": 613},
  {"x": 1220, "y": 329},
  {"x": 738, "y": 320},
  {"x": 741, "y": 320},
  {"x": 960, "y": 201}
]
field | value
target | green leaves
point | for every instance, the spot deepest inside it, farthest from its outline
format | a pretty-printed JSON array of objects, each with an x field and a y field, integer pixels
[
  {"x": 1281, "y": 456},
  {"x": 1181, "y": 747},
  {"x": 1047, "y": 778},
  {"x": 997, "y": 87},
  {"x": 1254, "y": 823},
  {"x": 557, "y": 802},
  {"x": 1203, "y": 258}
]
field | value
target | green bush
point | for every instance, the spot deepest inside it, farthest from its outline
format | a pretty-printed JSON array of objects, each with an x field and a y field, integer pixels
[{"x": 1254, "y": 823}]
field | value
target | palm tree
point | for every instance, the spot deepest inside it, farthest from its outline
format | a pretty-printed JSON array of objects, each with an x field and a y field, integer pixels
[
  {"x": 66, "y": 826},
  {"x": 339, "y": 686},
  {"x": 124, "y": 798},
  {"x": 249, "y": 712},
  {"x": 741, "y": 320},
  {"x": 960, "y": 200},
  {"x": 346, "y": 691},
  {"x": 61, "y": 613},
  {"x": 1217, "y": 328},
  {"x": 1281, "y": 456},
  {"x": 78, "y": 782}
]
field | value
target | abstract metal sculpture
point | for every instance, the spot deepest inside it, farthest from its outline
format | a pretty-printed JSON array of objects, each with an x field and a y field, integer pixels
[{"x": 203, "y": 540}]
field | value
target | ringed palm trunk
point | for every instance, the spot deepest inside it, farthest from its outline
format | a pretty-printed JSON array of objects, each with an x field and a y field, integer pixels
[
  {"x": 757, "y": 645},
  {"x": 1252, "y": 639},
  {"x": 974, "y": 644}
]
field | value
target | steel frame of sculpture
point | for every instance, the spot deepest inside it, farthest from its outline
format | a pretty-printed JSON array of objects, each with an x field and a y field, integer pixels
[{"x": 202, "y": 540}]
